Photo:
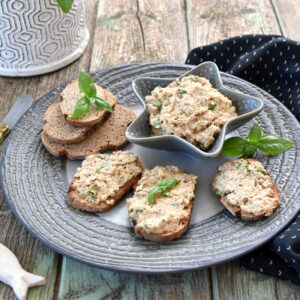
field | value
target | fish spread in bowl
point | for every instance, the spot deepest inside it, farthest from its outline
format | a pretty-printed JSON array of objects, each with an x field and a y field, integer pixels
[{"x": 190, "y": 108}]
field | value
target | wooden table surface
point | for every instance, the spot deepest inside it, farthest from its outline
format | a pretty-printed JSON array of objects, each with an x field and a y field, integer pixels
[{"x": 125, "y": 31}]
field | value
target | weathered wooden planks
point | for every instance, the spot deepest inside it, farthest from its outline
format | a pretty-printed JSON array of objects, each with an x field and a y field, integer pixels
[
  {"x": 230, "y": 281},
  {"x": 86, "y": 283},
  {"x": 213, "y": 20},
  {"x": 288, "y": 13},
  {"x": 33, "y": 256},
  {"x": 130, "y": 31}
]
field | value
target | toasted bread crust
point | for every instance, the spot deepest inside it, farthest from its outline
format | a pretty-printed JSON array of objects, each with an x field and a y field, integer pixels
[
  {"x": 165, "y": 237},
  {"x": 58, "y": 130},
  {"x": 109, "y": 135},
  {"x": 236, "y": 210},
  {"x": 76, "y": 202},
  {"x": 57, "y": 150},
  {"x": 86, "y": 120}
]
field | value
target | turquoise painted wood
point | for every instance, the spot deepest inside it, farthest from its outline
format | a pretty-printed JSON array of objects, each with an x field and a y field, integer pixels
[{"x": 80, "y": 281}]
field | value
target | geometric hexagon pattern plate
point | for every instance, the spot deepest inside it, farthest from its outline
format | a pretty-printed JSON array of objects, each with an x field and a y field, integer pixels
[{"x": 35, "y": 185}]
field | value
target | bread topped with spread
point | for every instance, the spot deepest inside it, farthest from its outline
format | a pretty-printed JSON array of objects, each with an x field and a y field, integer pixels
[
  {"x": 103, "y": 180},
  {"x": 161, "y": 207},
  {"x": 72, "y": 93},
  {"x": 246, "y": 189}
]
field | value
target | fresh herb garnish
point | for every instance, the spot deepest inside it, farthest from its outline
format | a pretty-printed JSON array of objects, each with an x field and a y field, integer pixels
[
  {"x": 267, "y": 143},
  {"x": 177, "y": 81},
  {"x": 162, "y": 188},
  {"x": 158, "y": 104},
  {"x": 65, "y": 5},
  {"x": 212, "y": 106},
  {"x": 218, "y": 193},
  {"x": 99, "y": 168},
  {"x": 156, "y": 124},
  {"x": 158, "y": 86},
  {"x": 83, "y": 105},
  {"x": 90, "y": 191},
  {"x": 134, "y": 213},
  {"x": 201, "y": 145},
  {"x": 181, "y": 91},
  {"x": 147, "y": 227},
  {"x": 193, "y": 78},
  {"x": 261, "y": 170}
]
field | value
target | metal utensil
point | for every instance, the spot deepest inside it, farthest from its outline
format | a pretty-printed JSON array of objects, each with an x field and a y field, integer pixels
[{"x": 19, "y": 108}]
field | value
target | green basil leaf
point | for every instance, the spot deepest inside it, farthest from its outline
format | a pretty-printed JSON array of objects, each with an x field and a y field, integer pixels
[
  {"x": 255, "y": 133},
  {"x": 153, "y": 194},
  {"x": 271, "y": 144},
  {"x": 161, "y": 189},
  {"x": 167, "y": 183},
  {"x": 234, "y": 146},
  {"x": 82, "y": 106},
  {"x": 86, "y": 84},
  {"x": 249, "y": 150},
  {"x": 65, "y": 5},
  {"x": 212, "y": 106},
  {"x": 101, "y": 104}
]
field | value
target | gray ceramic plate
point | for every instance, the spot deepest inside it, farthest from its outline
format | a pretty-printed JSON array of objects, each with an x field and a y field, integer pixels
[
  {"x": 139, "y": 132},
  {"x": 35, "y": 186}
]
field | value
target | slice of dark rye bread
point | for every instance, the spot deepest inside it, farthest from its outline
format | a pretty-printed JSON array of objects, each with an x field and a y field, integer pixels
[
  {"x": 58, "y": 130},
  {"x": 78, "y": 202},
  {"x": 253, "y": 175},
  {"x": 140, "y": 211},
  {"x": 72, "y": 93},
  {"x": 109, "y": 135}
]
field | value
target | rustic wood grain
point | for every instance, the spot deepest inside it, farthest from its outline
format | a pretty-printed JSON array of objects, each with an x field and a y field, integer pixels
[
  {"x": 288, "y": 13},
  {"x": 163, "y": 25},
  {"x": 33, "y": 256},
  {"x": 118, "y": 38},
  {"x": 230, "y": 281},
  {"x": 213, "y": 20},
  {"x": 138, "y": 30},
  {"x": 83, "y": 282},
  {"x": 287, "y": 291}
]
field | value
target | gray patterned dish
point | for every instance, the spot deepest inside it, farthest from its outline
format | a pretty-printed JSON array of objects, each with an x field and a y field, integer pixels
[
  {"x": 139, "y": 132},
  {"x": 35, "y": 186}
]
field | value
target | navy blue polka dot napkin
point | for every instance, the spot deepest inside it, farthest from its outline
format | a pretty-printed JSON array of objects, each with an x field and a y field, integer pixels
[{"x": 271, "y": 62}]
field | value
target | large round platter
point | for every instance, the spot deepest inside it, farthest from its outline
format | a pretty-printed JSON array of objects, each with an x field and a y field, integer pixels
[{"x": 35, "y": 185}]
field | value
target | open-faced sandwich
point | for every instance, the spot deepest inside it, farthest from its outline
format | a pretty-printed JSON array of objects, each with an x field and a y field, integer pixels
[
  {"x": 161, "y": 207},
  {"x": 246, "y": 189},
  {"x": 103, "y": 180}
]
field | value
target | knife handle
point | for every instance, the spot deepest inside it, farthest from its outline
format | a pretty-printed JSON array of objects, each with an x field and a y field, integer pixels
[{"x": 4, "y": 129}]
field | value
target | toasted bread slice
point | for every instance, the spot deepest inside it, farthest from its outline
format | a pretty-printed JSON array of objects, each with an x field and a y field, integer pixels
[
  {"x": 58, "y": 130},
  {"x": 72, "y": 93},
  {"x": 103, "y": 180},
  {"x": 168, "y": 218},
  {"x": 246, "y": 189},
  {"x": 108, "y": 135}
]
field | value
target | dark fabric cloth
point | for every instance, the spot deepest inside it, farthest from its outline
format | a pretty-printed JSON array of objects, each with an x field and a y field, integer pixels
[{"x": 271, "y": 62}]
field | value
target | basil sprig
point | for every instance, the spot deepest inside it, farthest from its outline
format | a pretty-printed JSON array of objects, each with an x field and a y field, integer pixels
[
  {"x": 65, "y": 5},
  {"x": 161, "y": 189},
  {"x": 83, "y": 105},
  {"x": 267, "y": 143}
]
